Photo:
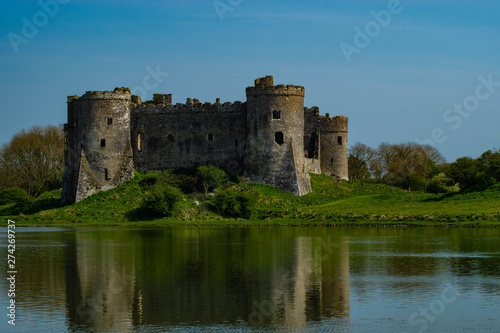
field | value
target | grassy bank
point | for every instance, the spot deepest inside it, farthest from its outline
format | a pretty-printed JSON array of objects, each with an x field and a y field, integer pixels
[{"x": 331, "y": 203}]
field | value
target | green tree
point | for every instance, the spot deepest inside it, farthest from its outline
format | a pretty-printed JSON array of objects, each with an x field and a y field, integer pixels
[
  {"x": 360, "y": 159},
  {"x": 464, "y": 171},
  {"x": 489, "y": 163},
  {"x": 32, "y": 159},
  {"x": 211, "y": 177},
  {"x": 406, "y": 165},
  {"x": 442, "y": 184}
]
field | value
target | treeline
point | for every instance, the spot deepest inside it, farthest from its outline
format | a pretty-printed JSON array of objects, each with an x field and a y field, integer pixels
[
  {"x": 414, "y": 166},
  {"x": 31, "y": 163}
]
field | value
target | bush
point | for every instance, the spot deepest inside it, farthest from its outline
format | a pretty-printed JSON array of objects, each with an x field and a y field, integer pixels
[
  {"x": 442, "y": 184},
  {"x": 234, "y": 202},
  {"x": 211, "y": 177},
  {"x": 162, "y": 200},
  {"x": 186, "y": 182},
  {"x": 13, "y": 195}
]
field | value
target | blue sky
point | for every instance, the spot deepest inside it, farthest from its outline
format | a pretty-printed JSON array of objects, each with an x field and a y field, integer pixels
[{"x": 428, "y": 56}]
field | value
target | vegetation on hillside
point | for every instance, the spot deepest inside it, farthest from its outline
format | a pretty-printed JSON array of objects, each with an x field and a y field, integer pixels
[
  {"x": 33, "y": 160},
  {"x": 421, "y": 167},
  {"x": 407, "y": 183},
  {"x": 331, "y": 202}
]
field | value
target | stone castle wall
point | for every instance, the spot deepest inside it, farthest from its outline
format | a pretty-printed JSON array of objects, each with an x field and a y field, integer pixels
[
  {"x": 271, "y": 138},
  {"x": 183, "y": 135}
]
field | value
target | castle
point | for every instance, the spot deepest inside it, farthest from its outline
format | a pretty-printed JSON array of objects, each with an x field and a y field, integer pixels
[{"x": 271, "y": 138}]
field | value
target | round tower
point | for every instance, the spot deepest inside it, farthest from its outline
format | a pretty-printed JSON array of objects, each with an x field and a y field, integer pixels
[
  {"x": 102, "y": 137},
  {"x": 275, "y": 136},
  {"x": 334, "y": 149}
]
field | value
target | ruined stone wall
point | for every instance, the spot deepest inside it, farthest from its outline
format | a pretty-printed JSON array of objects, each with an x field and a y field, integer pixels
[
  {"x": 272, "y": 138},
  {"x": 100, "y": 155},
  {"x": 311, "y": 133},
  {"x": 275, "y": 136},
  {"x": 334, "y": 148},
  {"x": 185, "y": 135}
]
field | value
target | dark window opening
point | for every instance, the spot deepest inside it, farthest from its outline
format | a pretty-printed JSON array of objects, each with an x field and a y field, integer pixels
[
  {"x": 339, "y": 140},
  {"x": 140, "y": 142},
  {"x": 276, "y": 114},
  {"x": 279, "y": 138},
  {"x": 310, "y": 154},
  {"x": 236, "y": 142},
  {"x": 110, "y": 121},
  {"x": 106, "y": 174},
  {"x": 170, "y": 138},
  {"x": 332, "y": 160},
  {"x": 210, "y": 137},
  {"x": 103, "y": 143}
]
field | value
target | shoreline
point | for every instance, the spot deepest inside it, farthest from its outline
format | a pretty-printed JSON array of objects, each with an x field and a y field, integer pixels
[{"x": 260, "y": 223}]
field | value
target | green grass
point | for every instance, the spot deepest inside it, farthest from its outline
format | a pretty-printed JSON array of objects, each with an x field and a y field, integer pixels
[{"x": 330, "y": 203}]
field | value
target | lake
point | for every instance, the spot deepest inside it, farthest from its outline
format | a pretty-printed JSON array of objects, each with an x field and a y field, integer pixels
[{"x": 253, "y": 279}]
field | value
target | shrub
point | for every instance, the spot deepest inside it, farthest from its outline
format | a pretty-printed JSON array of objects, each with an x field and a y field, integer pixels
[
  {"x": 162, "y": 200},
  {"x": 186, "y": 182},
  {"x": 234, "y": 202},
  {"x": 442, "y": 184},
  {"x": 13, "y": 195},
  {"x": 211, "y": 177}
]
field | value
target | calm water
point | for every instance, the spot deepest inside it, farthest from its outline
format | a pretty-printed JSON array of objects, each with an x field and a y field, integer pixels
[{"x": 249, "y": 279}]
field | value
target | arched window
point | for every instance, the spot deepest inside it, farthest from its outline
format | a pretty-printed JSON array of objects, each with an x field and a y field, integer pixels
[{"x": 140, "y": 142}]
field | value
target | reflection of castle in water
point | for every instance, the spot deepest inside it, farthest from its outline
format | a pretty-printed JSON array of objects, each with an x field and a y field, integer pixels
[
  {"x": 111, "y": 286},
  {"x": 318, "y": 285}
]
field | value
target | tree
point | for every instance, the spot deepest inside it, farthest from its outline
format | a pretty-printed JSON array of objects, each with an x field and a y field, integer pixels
[
  {"x": 464, "y": 171},
  {"x": 489, "y": 163},
  {"x": 211, "y": 177},
  {"x": 406, "y": 165},
  {"x": 360, "y": 159},
  {"x": 32, "y": 158}
]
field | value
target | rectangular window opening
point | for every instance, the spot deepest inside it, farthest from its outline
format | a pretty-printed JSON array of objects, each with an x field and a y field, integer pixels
[
  {"x": 110, "y": 121},
  {"x": 106, "y": 174},
  {"x": 339, "y": 140},
  {"x": 276, "y": 114},
  {"x": 103, "y": 143},
  {"x": 279, "y": 138}
]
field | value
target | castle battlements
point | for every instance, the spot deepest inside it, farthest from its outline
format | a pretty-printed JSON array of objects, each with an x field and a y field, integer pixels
[
  {"x": 270, "y": 138},
  {"x": 117, "y": 94},
  {"x": 150, "y": 107}
]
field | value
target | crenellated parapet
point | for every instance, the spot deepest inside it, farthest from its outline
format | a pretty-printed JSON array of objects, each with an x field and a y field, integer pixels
[
  {"x": 270, "y": 138},
  {"x": 275, "y": 136},
  {"x": 228, "y": 107},
  {"x": 117, "y": 94}
]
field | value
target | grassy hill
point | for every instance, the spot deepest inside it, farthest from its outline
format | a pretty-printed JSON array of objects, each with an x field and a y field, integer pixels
[{"x": 330, "y": 203}]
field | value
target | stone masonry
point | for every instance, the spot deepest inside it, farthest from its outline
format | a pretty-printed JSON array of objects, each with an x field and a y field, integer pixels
[{"x": 271, "y": 138}]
